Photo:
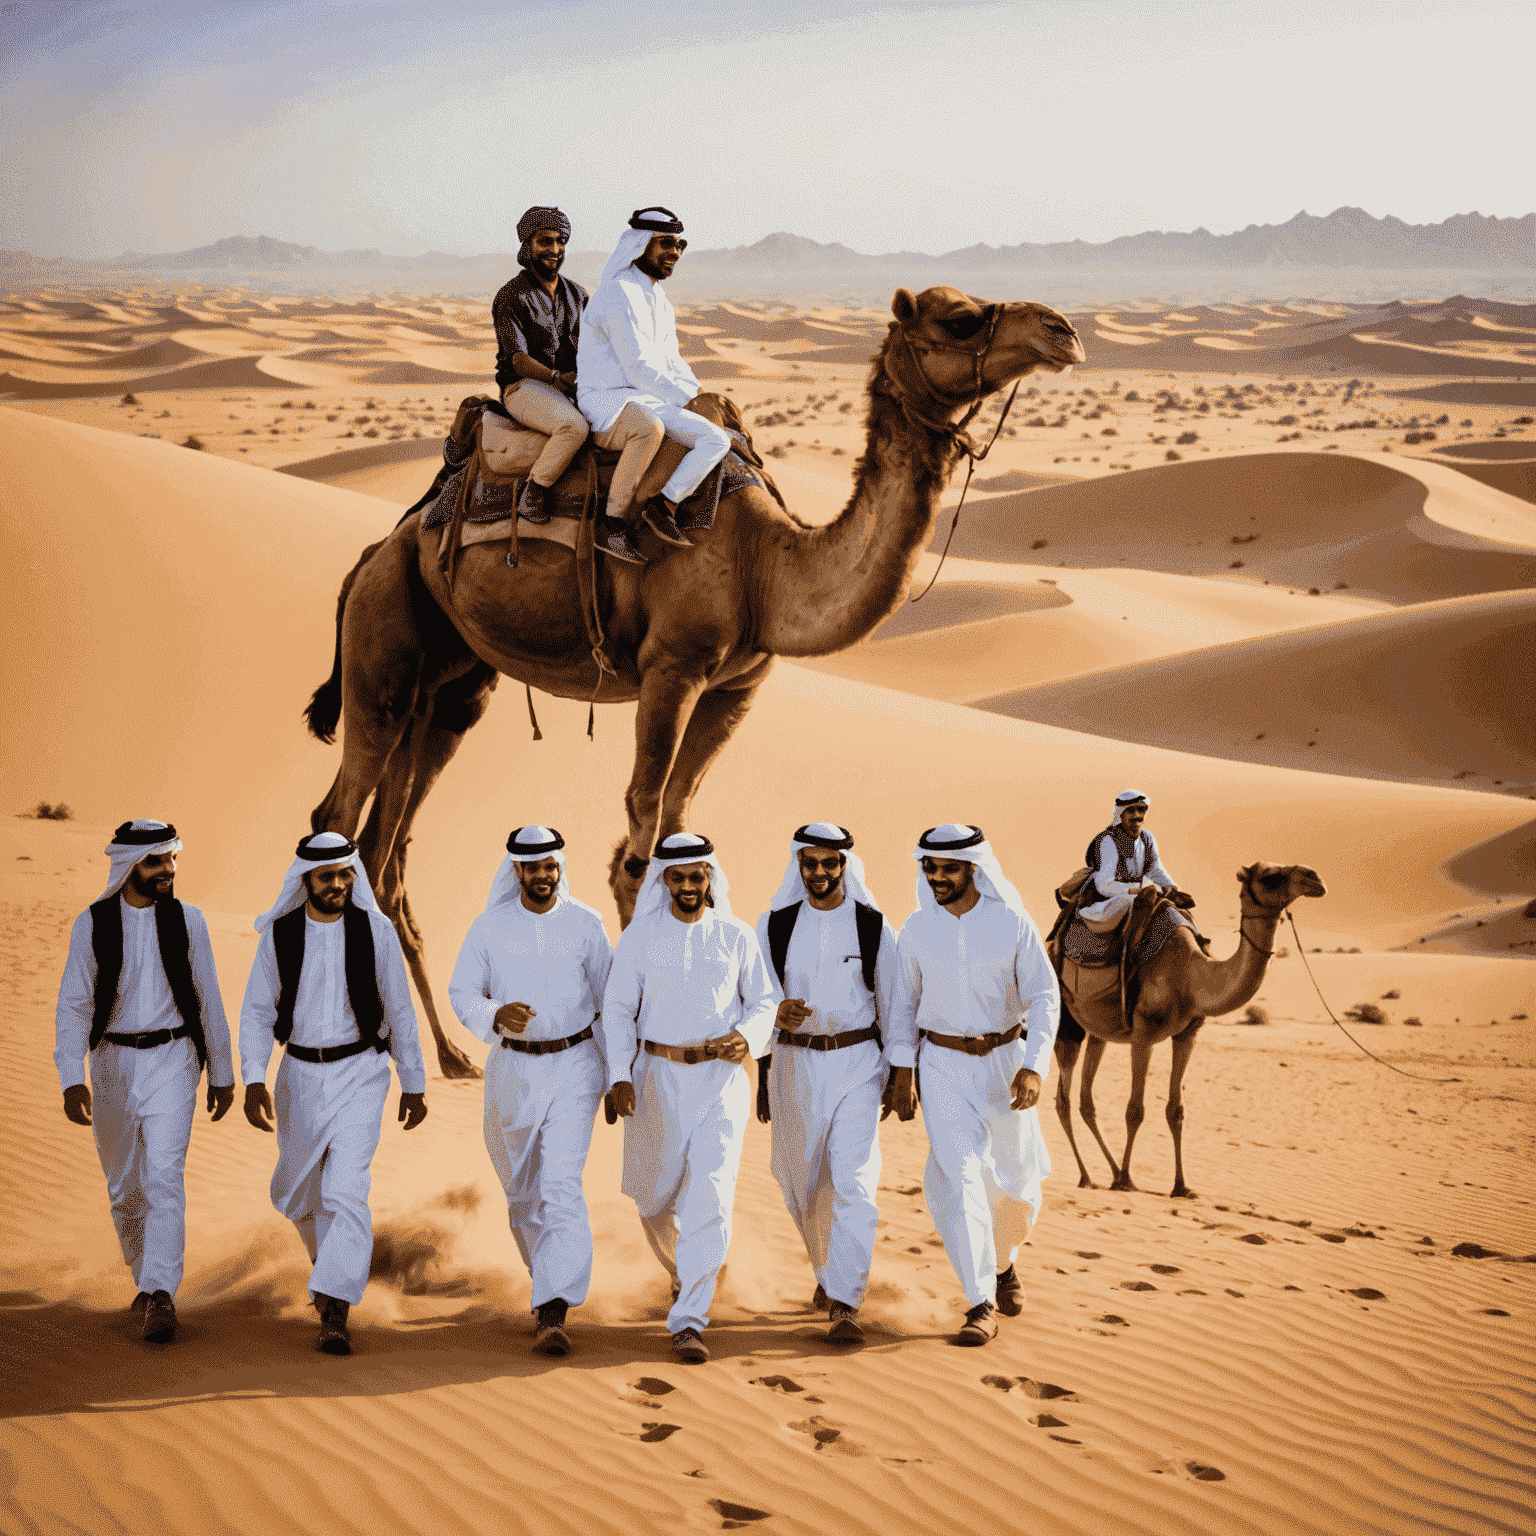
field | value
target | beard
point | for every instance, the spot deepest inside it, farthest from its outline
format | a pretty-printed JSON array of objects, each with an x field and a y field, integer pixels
[
  {"x": 689, "y": 901},
  {"x": 823, "y": 886},
  {"x": 152, "y": 887},
  {"x": 547, "y": 265},
  {"x": 329, "y": 900},
  {"x": 949, "y": 892}
]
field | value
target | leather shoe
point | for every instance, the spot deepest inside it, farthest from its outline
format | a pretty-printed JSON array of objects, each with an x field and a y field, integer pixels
[
  {"x": 980, "y": 1325},
  {"x": 613, "y": 538},
  {"x": 530, "y": 505},
  {"x": 689, "y": 1347},
  {"x": 845, "y": 1327},
  {"x": 159, "y": 1319},
  {"x": 659, "y": 519},
  {"x": 1010, "y": 1293},
  {"x": 334, "y": 1337}
]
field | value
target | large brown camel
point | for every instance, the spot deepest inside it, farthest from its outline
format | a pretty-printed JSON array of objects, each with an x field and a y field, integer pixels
[
  {"x": 1180, "y": 988},
  {"x": 691, "y": 635}
]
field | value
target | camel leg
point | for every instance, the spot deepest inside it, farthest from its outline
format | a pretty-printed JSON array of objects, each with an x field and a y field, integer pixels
[
  {"x": 667, "y": 700},
  {"x": 1135, "y": 1108},
  {"x": 1066, "y": 1053},
  {"x": 714, "y": 720},
  {"x": 1183, "y": 1049},
  {"x": 1091, "y": 1059},
  {"x": 457, "y": 705}
]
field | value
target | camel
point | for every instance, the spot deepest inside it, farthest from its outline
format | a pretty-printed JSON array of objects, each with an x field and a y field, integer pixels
[
  {"x": 1179, "y": 989},
  {"x": 692, "y": 635}
]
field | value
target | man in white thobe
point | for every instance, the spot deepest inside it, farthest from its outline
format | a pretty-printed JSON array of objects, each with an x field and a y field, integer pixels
[
  {"x": 632, "y": 384},
  {"x": 688, "y": 997},
  {"x": 1123, "y": 858},
  {"x": 529, "y": 979},
  {"x": 140, "y": 997},
  {"x": 976, "y": 988},
  {"x": 832, "y": 961},
  {"x": 328, "y": 983}
]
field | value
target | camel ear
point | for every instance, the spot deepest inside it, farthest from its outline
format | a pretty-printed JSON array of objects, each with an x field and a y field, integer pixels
[{"x": 904, "y": 305}]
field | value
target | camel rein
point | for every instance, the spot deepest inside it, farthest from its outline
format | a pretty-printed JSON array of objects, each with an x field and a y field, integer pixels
[
  {"x": 1300, "y": 949},
  {"x": 955, "y": 431}
]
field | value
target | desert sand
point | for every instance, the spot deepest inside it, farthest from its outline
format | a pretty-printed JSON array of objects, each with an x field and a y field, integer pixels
[{"x": 1273, "y": 564}]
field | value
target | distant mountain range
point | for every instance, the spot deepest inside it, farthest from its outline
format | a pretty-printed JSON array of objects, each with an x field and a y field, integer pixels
[{"x": 1347, "y": 237}]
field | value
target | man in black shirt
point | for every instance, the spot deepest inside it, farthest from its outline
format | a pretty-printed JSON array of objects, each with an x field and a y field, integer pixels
[{"x": 538, "y": 318}]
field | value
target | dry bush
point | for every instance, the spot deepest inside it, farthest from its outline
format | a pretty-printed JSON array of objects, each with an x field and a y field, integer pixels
[
  {"x": 45, "y": 812},
  {"x": 190, "y": 441},
  {"x": 1255, "y": 1014},
  {"x": 1365, "y": 1013}
]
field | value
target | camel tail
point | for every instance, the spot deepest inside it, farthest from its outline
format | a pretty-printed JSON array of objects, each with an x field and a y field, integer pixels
[{"x": 324, "y": 709}]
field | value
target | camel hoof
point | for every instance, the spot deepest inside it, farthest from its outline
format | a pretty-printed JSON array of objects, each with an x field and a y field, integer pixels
[
  {"x": 455, "y": 1065},
  {"x": 1183, "y": 1192},
  {"x": 1086, "y": 1183},
  {"x": 1125, "y": 1186}
]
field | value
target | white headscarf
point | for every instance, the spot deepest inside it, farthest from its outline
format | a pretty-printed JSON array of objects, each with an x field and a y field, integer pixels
[
  {"x": 1125, "y": 800},
  {"x": 681, "y": 848},
  {"x": 957, "y": 840},
  {"x": 632, "y": 243},
  {"x": 132, "y": 841},
  {"x": 320, "y": 850},
  {"x": 527, "y": 845},
  {"x": 822, "y": 834}
]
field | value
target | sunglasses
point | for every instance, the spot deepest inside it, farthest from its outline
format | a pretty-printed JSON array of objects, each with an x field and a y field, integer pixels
[{"x": 671, "y": 243}]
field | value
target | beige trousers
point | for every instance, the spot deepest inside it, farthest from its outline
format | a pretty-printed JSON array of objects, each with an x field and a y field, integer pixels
[
  {"x": 543, "y": 408},
  {"x": 637, "y": 434}
]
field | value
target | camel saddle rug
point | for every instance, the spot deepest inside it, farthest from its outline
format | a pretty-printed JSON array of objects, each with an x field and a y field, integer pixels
[{"x": 506, "y": 453}]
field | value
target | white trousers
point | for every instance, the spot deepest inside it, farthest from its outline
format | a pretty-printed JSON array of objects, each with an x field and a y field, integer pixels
[
  {"x": 985, "y": 1161},
  {"x": 825, "y": 1109},
  {"x": 142, "y": 1104},
  {"x": 329, "y": 1115},
  {"x": 539, "y": 1112},
  {"x": 682, "y": 1152}
]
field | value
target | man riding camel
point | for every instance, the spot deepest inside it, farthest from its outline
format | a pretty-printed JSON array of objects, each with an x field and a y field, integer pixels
[
  {"x": 1122, "y": 859},
  {"x": 538, "y": 319},
  {"x": 633, "y": 386}
]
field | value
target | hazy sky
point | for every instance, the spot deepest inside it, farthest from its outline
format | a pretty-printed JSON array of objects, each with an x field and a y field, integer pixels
[{"x": 414, "y": 125}]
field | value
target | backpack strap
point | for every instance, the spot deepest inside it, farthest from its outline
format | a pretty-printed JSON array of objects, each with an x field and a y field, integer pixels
[
  {"x": 870, "y": 925},
  {"x": 176, "y": 956},
  {"x": 781, "y": 924},
  {"x": 107, "y": 946}
]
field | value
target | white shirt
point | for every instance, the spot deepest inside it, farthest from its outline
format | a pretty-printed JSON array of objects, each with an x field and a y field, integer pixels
[
  {"x": 557, "y": 962},
  {"x": 973, "y": 975},
  {"x": 1144, "y": 863},
  {"x": 144, "y": 1000},
  {"x": 322, "y": 1011},
  {"x": 683, "y": 983},
  {"x": 628, "y": 351},
  {"x": 823, "y": 969}
]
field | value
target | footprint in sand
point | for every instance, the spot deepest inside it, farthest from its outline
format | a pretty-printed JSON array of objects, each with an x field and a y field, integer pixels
[
  {"x": 1090, "y": 1255},
  {"x": 653, "y": 1386},
  {"x": 1369, "y": 1293},
  {"x": 1492, "y": 1312},
  {"x": 1046, "y": 1389},
  {"x": 1066, "y": 1441},
  {"x": 1231, "y": 1292},
  {"x": 1110, "y": 1317},
  {"x": 655, "y": 1432},
  {"x": 1330, "y": 1237},
  {"x": 827, "y": 1436},
  {"x": 1002, "y": 1383},
  {"x": 1256, "y": 1238},
  {"x": 1204, "y": 1474},
  {"x": 1165, "y": 1269},
  {"x": 777, "y": 1383},
  {"x": 1191, "y": 1293},
  {"x": 1137, "y": 1285},
  {"x": 1048, "y": 1421},
  {"x": 736, "y": 1515}
]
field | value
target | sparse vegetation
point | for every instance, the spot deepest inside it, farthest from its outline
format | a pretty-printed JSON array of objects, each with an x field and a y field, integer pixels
[
  {"x": 191, "y": 441},
  {"x": 1365, "y": 1013},
  {"x": 1254, "y": 1013},
  {"x": 42, "y": 811}
]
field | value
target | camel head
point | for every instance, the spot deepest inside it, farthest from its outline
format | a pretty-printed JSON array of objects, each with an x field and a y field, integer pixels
[
  {"x": 1273, "y": 887},
  {"x": 966, "y": 348}
]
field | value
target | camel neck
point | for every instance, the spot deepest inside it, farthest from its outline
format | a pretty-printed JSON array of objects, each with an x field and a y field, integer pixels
[
  {"x": 823, "y": 589},
  {"x": 1223, "y": 985}
]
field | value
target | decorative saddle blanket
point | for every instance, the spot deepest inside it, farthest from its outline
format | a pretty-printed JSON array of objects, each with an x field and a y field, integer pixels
[
  {"x": 1088, "y": 948},
  {"x": 507, "y": 454}
]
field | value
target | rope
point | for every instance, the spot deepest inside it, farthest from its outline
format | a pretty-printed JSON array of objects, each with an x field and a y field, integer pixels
[
  {"x": 1418, "y": 1076},
  {"x": 973, "y": 459}
]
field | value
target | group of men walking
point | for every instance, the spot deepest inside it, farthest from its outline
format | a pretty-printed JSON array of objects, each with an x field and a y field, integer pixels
[
  {"x": 838, "y": 1009},
  {"x": 567, "y": 365}
]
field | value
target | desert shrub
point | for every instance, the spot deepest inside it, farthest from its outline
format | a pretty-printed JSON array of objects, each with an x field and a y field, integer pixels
[
  {"x": 1365, "y": 1013},
  {"x": 60, "y": 812},
  {"x": 191, "y": 441},
  {"x": 1255, "y": 1014}
]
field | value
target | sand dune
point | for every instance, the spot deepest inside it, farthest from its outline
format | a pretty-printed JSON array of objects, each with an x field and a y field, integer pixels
[
  {"x": 1506, "y": 465},
  {"x": 1402, "y": 532},
  {"x": 160, "y": 655},
  {"x": 1434, "y": 693}
]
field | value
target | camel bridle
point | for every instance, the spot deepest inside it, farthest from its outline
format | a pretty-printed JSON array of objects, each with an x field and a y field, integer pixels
[{"x": 1261, "y": 912}]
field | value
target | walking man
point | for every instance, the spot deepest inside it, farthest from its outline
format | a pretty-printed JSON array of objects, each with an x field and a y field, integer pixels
[
  {"x": 832, "y": 961},
  {"x": 328, "y": 984},
  {"x": 632, "y": 383},
  {"x": 688, "y": 997},
  {"x": 529, "y": 980},
  {"x": 976, "y": 987},
  {"x": 140, "y": 997},
  {"x": 538, "y": 319}
]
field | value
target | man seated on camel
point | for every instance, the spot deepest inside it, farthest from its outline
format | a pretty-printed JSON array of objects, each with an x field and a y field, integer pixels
[
  {"x": 633, "y": 385},
  {"x": 538, "y": 318},
  {"x": 1122, "y": 859}
]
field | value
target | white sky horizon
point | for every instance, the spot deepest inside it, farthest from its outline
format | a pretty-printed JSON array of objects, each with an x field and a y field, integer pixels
[{"x": 163, "y": 125}]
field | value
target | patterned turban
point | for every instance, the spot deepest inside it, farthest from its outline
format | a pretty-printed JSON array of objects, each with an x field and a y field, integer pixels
[{"x": 534, "y": 220}]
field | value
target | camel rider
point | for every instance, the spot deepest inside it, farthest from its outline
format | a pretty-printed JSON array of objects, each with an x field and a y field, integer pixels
[
  {"x": 1123, "y": 858},
  {"x": 633, "y": 385},
  {"x": 538, "y": 318}
]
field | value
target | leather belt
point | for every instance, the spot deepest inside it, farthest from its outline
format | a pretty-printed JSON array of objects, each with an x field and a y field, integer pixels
[
  {"x": 151, "y": 1037},
  {"x": 830, "y": 1042},
  {"x": 545, "y": 1047},
  {"x": 974, "y": 1045},
  {"x": 328, "y": 1052},
  {"x": 689, "y": 1055}
]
